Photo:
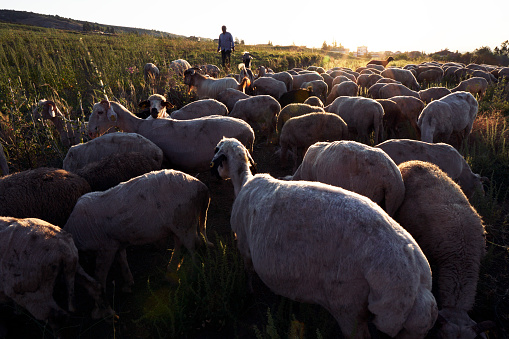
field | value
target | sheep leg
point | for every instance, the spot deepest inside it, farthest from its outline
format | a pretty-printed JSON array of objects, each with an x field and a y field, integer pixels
[
  {"x": 93, "y": 288},
  {"x": 69, "y": 275},
  {"x": 103, "y": 263},
  {"x": 121, "y": 259}
]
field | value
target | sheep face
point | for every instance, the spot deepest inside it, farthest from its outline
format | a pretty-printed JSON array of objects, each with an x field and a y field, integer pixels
[
  {"x": 157, "y": 105},
  {"x": 229, "y": 148},
  {"x": 102, "y": 119},
  {"x": 453, "y": 324}
]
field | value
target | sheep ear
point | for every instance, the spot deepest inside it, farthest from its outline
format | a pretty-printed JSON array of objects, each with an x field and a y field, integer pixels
[
  {"x": 112, "y": 116},
  {"x": 167, "y": 104},
  {"x": 144, "y": 104},
  {"x": 252, "y": 163},
  {"x": 106, "y": 104},
  {"x": 214, "y": 165},
  {"x": 51, "y": 109}
]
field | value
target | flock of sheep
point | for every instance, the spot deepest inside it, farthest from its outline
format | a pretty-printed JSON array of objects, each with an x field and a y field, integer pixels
[{"x": 373, "y": 217}]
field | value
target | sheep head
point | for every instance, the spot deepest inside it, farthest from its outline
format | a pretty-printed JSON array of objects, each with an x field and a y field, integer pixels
[
  {"x": 227, "y": 150},
  {"x": 157, "y": 105},
  {"x": 457, "y": 324},
  {"x": 102, "y": 119},
  {"x": 49, "y": 110}
]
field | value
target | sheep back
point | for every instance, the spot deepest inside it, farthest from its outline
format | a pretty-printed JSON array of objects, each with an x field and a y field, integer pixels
[
  {"x": 404, "y": 76},
  {"x": 94, "y": 150},
  {"x": 355, "y": 167},
  {"x": 200, "y": 108},
  {"x": 45, "y": 193}
]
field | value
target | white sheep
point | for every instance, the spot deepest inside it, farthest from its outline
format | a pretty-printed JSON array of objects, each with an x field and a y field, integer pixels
[
  {"x": 230, "y": 96},
  {"x": 179, "y": 66},
  {"x": 340, "y": 250},
  {"x": 394, "y": 89},
  {"x": 207, "y": 87},
  {"x": 300, "y": 132},
  {"x": 368, "y": 80},
  {"x": 475, "y": 85},
  {"x": 157, "y": 106},
  {"x": 362, "y": 115},
  {"x": 433, "y": 93},
  {"x": 106, "y": 145},
  {"x": 187, "y": 145},
  {"x": 356, "y": 167},
  {"x": 404, "y": 76},
  {"x": 45, "y": 193},
  {"x": 313, "y": 101},
  {"x": 150, "y": 71},
  {"x": 269, "y": 86},
  {"x": 345, "y": 88},
  {"x": 260, "y": 112},
  {"x": 116, "y": 168},
  {"x": 299, "y": 79},
  {"x": 446, "y": 157},
  {"x": 451, "y": 234},
  {"x": 35, "y": 254},
  {"x": 451, "y": 115},
  {"x": 319, "y": 88},
  {"x": 143, "y": 210},
  {"x": 71, "y": 132},
  {"x": 199, "y": 109},
  {"x": 294, "y": 110},
  {"x": 281, "y": 76},
  {"x": 211, "y": 70}
]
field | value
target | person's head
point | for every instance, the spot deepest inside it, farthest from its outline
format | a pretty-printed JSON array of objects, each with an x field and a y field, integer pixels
[{"x": 224, "y": 29}]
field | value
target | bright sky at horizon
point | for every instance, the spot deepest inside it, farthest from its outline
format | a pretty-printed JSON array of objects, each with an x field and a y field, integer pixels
[{"x": 398, "y": 25}]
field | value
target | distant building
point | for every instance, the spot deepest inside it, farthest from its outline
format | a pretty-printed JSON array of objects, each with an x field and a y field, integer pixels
[{"x": 362, "y": 51}]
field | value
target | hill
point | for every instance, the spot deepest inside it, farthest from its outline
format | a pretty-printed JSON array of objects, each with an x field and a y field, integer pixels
[{"x": 58, "y": 22}]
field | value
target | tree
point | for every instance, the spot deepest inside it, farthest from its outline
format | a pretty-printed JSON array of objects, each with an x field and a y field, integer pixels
[
  {"x": 504, "y": 48},
  {"x": 325, "y": 47}
]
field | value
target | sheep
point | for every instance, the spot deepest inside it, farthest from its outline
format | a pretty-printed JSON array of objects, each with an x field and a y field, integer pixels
[
  {"x": 393, "y": 117},
  {"x": 411, "y": 108},
  {"x": 116, "y": 168},
  {"x": 446, "y": 157},
  {"x": 342, "y": 251},
  {"x": 4, "y": 166},
  {"x": 387, "y": 81},
  {"x": 432, "y": 75},
  {"x": 341, "y": 78},
  {"x": 453, "y": 114},
  {"x": 451, "y": 234},
  {"x": 199, "y": 109},
  {"x": 106, "y": 145},
  {"x": 433, "y": 93},
  {"x": 490, "y": 78},
  {"x": 294, "y": 110},
  {"x": 404, "y": 76},
  {"x": 345, "y": 88},
  {"x": 179, "y": 66},
  {"x": 317, "y": 69},
  {"x": 230, "y": 96},
  {"x": 260, "y": 112},
  {"x": 35, "y": 254},
  {"x": 337, "y": 73},
  {"x": 150, "y": 71},
  {"x": 207, "y": 87},
  {"x": 319, "y": 87},
  {"x": 460, "y": 74},
  {"x": 368, "y": 80},
  {"x": 449, "y": 73},
  {"x": 362, "y": 115},
  {"x": 157, "y": 106},
  {"x": 154, "y": 206},
  {"x": 379, "y": 68},
  {"x": 45, "y": 193},
  {"x": 374, "y": 91},
  {"x": 475, "y": 85},
  {"x": 281, "y": 76},
  {"x": 211, "y": 70},
  {"x": 269, "y": 86},
  {"x": 301, "y": 132},
  {"x": 186, "y": 144},
  {"x": 71, "y": 132},
  {"x": 296, "y": 96},
  {"x": 314, "y": 101},
  {"x": 391, "y": 90},
  {"x": 381, "y": 62},
  {"x": 299, "y": 79},
  {"x": 356, "y": 167}
]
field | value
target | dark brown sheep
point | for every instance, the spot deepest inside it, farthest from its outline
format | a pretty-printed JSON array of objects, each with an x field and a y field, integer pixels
[{"x": 381, "y": 62}]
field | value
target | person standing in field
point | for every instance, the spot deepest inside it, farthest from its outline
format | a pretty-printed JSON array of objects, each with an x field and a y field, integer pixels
[{"x": 226, "y": 46}]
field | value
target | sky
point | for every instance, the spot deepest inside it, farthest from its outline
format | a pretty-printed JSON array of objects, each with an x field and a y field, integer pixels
[{"x": 396, "y": 25}]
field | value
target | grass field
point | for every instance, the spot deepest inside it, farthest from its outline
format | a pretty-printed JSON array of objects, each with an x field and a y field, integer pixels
[{"x": 77, "y": 70}]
